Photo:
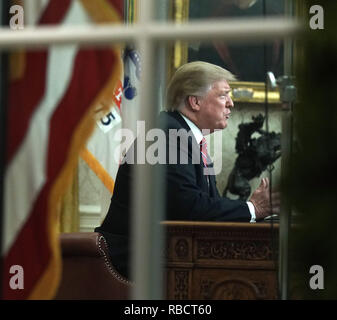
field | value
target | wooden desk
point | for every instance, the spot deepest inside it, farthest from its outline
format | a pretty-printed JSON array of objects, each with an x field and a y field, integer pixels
[{"x": 220, "y": 260}]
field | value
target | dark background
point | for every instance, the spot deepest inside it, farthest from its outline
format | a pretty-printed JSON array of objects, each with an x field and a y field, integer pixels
[{"x": 249, "y": 62}]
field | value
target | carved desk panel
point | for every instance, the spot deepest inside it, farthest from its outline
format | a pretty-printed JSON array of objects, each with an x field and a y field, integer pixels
[{"x": 220, "y": 260}]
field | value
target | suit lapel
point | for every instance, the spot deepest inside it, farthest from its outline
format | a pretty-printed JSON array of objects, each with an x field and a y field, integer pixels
[{"x": 212, "y": 186}]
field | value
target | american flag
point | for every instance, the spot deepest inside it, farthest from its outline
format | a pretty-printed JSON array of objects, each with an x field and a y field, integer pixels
[{"x": 52, "y": 97}]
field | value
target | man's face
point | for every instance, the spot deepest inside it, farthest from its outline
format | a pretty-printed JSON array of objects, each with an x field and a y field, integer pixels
[{"x": 215, "y": 107}]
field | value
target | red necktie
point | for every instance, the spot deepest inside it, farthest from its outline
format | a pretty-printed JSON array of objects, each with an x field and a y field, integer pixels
[{"x": 203, "y": 150}]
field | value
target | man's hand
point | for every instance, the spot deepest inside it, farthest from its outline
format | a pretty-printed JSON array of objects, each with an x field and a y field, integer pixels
[{"x": 260, "y": 199}]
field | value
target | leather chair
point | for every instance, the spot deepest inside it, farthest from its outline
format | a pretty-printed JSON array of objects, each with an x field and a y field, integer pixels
[{"x": 87, "y": 271}]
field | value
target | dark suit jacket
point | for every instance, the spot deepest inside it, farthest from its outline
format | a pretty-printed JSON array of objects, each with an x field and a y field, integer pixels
[{"x": 189, "y": 196}]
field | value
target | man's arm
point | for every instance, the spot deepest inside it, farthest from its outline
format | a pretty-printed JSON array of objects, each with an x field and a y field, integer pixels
[{"x": 186, "y": 199}]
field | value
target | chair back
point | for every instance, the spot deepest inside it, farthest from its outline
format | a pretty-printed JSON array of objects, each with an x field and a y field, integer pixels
[{"x": 87, "y": 272}]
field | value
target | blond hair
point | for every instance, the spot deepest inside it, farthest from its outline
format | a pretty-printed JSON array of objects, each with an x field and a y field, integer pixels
[{"x": 193, "y": 79}]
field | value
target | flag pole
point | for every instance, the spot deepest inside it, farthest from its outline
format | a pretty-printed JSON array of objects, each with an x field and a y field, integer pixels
[{"x": 4, "y": 20}]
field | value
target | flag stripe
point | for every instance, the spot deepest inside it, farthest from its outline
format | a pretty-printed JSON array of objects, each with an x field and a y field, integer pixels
[
  {"x": 55, "y": 11},
  {"x": 23, "y": 105}
]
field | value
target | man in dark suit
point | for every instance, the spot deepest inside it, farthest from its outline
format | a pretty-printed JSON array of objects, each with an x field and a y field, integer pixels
[{"x": 198, "y": 103}]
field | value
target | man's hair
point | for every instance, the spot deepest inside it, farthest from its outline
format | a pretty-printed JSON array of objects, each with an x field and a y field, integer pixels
[{"x": 193, "y": 79}]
